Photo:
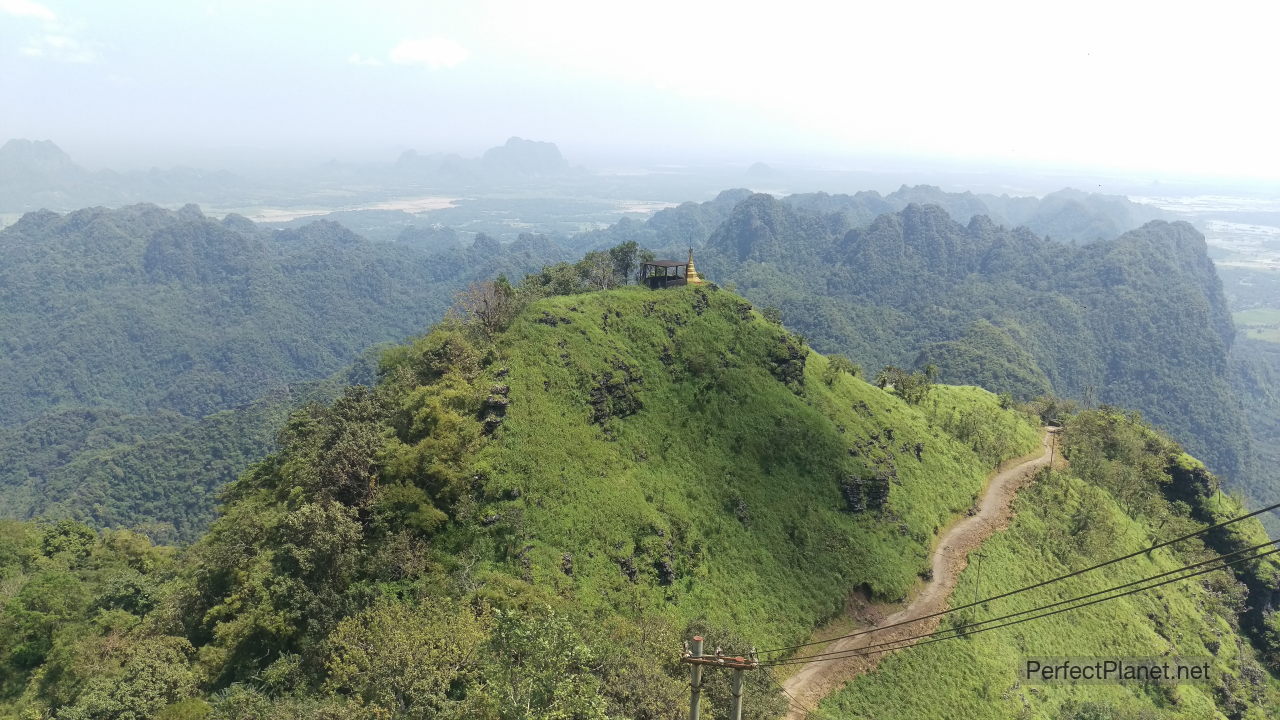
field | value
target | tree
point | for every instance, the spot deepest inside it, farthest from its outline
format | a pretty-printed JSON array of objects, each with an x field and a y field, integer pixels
[
  {"x": 837, "y": 364},
  {"x": 624, "y": 259},
  {"x": 405, "y": 659},
  {"x": 884, "y": 378},
  {"x": 489, "y": 305},
  {"x": 156, "y": 674},
  {"x": 540, "y": 668},
  {"x": 598, "y": 266},
  {"x": 912, "y": 387}
]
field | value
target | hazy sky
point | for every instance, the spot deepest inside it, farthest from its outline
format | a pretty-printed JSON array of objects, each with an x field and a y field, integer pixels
[{"x": 1168, "y": 87}]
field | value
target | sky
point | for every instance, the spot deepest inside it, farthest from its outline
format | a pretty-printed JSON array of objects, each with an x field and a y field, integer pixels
[{"x": 1164, "y": 89}]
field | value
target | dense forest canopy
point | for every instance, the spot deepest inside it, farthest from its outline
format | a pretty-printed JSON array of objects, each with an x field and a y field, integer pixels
[
  {"x": 141, "y": 308},
  {"x": 149, "y": 356}
]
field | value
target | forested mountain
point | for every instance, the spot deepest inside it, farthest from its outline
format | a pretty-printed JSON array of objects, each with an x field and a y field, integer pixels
[
  {"x": 159, "y": 473},
  {"x": 1067, "y": 214},
  {"x": 228, "y": 313},
  {"x": 1256, "y": 378},
  {"x": 149, "y": 356},
  {"x": 141, "y": 309},
  {"x": 1064, "y": 215},
  {"x": 1136, "y": 320},
  {"x": 538, "y": 500}
]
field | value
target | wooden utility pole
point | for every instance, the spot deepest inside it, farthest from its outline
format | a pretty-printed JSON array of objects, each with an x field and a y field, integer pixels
[
  {"x": 735, "y": 699},
  {"x": 695, "y": 677},
  {"x": 694, "y": 658}
]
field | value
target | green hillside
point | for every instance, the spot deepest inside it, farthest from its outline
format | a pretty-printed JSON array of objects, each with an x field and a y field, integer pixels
[
  {"x": 720, "y": 441},
  {"x": 611, "y": 472},
  {"x": 1138, "y": 321},
  {"x": 1101, "y": 507}
]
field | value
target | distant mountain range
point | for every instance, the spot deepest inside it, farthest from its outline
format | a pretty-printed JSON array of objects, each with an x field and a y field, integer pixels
[
  {"x": 1067, "y": 215},
  {"x": 518, "y": 157},
  {"x": 38, "y": 175}
]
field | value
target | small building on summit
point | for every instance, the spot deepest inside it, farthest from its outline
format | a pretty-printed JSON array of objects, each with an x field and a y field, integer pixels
[{"x": 658, "y": 274}]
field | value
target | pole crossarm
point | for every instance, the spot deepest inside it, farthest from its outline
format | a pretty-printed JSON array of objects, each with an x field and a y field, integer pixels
[
  {"x": 693, "y": 657},
  {"x": 737, "y": 663}
]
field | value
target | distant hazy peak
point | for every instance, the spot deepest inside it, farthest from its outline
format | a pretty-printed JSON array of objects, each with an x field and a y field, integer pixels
[
  {"x": 319, "y": 232},
  {"x": 29, "y": 160},
  {"x": 23, "y": 148},
  {"x": 486, "y": 244},
  {"x": 735, "y": 195},
  {"x": 528, "y": 157}
]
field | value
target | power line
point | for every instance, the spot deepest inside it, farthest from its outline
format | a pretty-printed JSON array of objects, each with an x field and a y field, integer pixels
[
  {"x": 857, "y": 652},
  {"x": 792, "y": 700},
  {"x": 958, "y": 628},
  {"x": 1040, "y": 584}
]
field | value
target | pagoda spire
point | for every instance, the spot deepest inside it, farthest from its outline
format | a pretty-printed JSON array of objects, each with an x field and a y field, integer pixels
[{"x": 691, "y": 275}]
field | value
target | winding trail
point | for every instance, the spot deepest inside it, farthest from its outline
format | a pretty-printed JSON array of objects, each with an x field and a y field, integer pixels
[{"x": 815, "y": 681}]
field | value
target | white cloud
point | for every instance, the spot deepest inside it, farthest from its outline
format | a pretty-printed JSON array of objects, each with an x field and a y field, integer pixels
[
  {"x": 27, "y": 8},
  {"x": 432, "y": 52},
  {"x": 358, "y": 59},
  {"x": 63, "y": 48}
]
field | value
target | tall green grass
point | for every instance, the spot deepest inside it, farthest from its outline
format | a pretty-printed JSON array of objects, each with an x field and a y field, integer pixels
[
  {"x": 726, "y": 474},
  {"x": 1064, "y": 524}
]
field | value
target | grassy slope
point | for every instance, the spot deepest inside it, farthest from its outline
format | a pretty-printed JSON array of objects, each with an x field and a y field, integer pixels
[
  {"x": 718, "y": 437},
  {"x": 977, "y": 677}
]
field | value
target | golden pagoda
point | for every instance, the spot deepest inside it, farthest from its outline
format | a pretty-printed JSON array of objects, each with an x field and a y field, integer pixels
[{"x": 691, "y": 275}]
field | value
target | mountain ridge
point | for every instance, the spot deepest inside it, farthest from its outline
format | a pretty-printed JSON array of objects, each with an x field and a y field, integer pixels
[{"x": 492, "y": 529}]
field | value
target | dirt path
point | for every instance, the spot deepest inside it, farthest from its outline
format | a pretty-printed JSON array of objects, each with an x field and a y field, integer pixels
[{"x": 817, "y": 680}]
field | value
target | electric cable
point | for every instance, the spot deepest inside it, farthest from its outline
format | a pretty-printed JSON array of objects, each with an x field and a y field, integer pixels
[
  {"x": 856, "y": 652},
  {"x": 1096, "y": 593},
  {"x": 1040, "y": 584},
  {"x": 792, "y": 700}
]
